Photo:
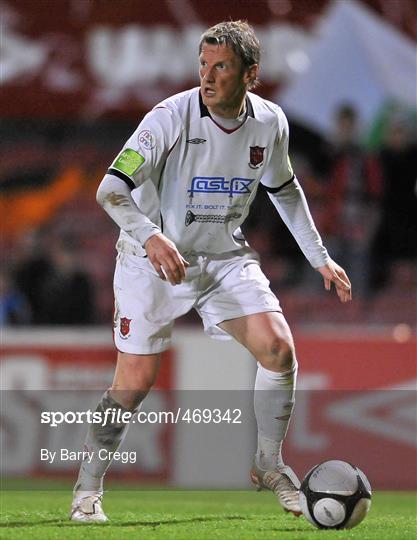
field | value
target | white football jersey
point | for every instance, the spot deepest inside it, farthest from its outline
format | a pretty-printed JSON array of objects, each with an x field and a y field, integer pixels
[{"x": 195, "y": 179}]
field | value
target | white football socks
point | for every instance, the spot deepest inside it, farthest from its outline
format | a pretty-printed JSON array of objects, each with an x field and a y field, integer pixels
[
  {"x": 273, "y": 403},
  {"x": 108, "y": 437}
]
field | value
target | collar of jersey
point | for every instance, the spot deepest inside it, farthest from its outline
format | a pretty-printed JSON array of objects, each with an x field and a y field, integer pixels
[{"x": 205, "y": 112}]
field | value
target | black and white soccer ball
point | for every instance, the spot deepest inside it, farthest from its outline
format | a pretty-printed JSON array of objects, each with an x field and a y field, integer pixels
[{"x": 335, "y": 495}]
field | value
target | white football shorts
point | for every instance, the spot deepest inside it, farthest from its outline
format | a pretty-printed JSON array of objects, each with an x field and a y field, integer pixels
[{"x": 219, "y": 287}]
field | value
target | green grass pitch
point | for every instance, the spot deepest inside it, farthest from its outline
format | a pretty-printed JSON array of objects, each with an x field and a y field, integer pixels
[{"x": 191, "y": 515}]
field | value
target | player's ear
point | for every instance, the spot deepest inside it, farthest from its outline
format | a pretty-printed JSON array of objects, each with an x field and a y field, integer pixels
[{"x": 251, "y": 74}]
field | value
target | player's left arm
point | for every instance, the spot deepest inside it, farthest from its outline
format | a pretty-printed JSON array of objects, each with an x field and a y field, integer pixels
[
  {"x": 288, "y": 197},
  {"x": 292, "y": 206}
]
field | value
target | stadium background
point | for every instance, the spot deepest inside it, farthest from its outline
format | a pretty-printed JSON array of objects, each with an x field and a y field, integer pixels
[{"x": 77, "y": 77}]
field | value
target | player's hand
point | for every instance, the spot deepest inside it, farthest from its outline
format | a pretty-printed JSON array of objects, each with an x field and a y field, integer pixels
[
  {"x": 166, "y": 259},
  {"x": 333, "y": 273}
]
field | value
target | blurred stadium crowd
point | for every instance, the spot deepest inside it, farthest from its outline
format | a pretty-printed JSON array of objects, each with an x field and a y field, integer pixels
[{"x": 57, "y": 246}]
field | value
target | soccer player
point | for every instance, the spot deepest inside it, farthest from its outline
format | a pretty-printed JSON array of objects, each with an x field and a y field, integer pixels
[{"x": 179, "y": 190}]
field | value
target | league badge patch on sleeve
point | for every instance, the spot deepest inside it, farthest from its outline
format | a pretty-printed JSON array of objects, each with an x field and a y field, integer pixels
[
  {"x": 146, "y": 139},
  {"x": 128, "y": 161},
  {"x": 256, "y": 156}
]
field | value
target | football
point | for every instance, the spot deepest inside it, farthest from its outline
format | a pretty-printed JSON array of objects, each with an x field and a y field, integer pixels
[{"x": 335, "y": 495}]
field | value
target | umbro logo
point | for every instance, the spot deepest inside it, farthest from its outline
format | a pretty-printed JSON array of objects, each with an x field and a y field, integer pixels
[{"x": 196, "y": 141}]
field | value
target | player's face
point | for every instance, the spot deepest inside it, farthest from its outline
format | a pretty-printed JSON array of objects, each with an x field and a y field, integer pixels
[{"x": 223, "y": 80}]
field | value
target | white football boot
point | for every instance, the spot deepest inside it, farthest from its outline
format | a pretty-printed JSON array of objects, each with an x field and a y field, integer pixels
[
  {"x": 87, "y": 509},
  {"x": 283, "y": 482}
]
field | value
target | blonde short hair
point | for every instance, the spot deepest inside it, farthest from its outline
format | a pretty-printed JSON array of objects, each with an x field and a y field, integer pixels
[{"x": 240, "y": 36}]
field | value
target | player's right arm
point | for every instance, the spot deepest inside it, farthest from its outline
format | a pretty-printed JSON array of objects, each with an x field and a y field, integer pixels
[{"x": 142, "y": 158}]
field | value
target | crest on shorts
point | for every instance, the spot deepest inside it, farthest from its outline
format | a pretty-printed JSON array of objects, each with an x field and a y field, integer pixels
[
  {"x": 125, "y": 326},
  {"x": 256, "y": 156}
]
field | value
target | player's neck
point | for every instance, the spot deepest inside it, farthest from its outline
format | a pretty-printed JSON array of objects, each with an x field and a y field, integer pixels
[
  {"x": 231, "y": 113},
  {"x": 229, "y": 123}
]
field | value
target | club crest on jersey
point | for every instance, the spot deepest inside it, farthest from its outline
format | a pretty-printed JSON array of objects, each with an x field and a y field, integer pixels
[
  {"x": 125, "y": 326},
  {"x": 256, "y": 156}
]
